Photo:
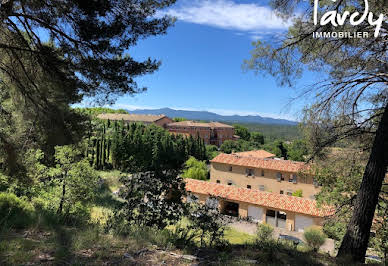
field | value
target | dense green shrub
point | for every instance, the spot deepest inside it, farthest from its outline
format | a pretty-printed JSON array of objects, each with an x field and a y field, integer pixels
[
  {"x": 264, "y": 232},
  {"x": 211, "y": 152},
  {"x": 149, "y": 199},
  {"x": 298, "y": 193},
  {"x": 15, "y": 212},
  {"x": 78, "y": 214},
  {"x": 140, "y": 148},
  {"x": 184, "y": 236},
  {"x": 195, "y": 169},
  {"x": 4, "y": 182},
  {"x": 315, "y": 238}
]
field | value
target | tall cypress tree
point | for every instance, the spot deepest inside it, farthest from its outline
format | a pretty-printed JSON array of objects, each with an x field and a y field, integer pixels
[
  {"x": 103, "y": 144},
  {"x": 97, "y": 164}
]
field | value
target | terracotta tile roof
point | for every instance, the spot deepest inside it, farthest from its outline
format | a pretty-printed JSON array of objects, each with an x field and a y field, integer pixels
[
  {"x": 131, "y": 117},
  {"x": 256, "y": 154},
  {"x": 262, "y": 163},
  {"x": 256, "y": 197},
  {"x": 197, "y": 124}
]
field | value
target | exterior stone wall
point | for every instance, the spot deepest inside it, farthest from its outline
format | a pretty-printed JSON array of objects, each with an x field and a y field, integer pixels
[
  {"x": 164, "y": 122},
  {"x": 215, "y": 136},
  {"x": 243, "y": 211},
  {"x": 237, "y": 175}
]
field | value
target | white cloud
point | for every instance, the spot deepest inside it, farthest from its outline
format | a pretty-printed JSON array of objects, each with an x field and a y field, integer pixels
[{"x": 227, "y": 14}]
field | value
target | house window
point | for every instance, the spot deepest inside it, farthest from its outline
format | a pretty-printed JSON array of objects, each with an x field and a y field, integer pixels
[
  {"x": 230, "y": 168},
  {"x": 249, "y": 172},
  {"x": 249, "y": 187},
  {"x": 218, "y": 181},
  {"x": 262, "y": 172},
  {"x": 289, "y": 192},
  {"x": 281, "y": 192},
  {"x": 293, "y": 179},
  {"x": 261, "y": 187},
  {"x": 230, "y": 183},
  {"x": 279, "y": 177}
]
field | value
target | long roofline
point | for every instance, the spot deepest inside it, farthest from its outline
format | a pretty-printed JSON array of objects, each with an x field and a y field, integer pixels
[
  {"x": 129, "y": 117},
  {"x": 190, "y": 123},
  {"x": 261, "y": 163},
  {"x": 260, "y": 198}
]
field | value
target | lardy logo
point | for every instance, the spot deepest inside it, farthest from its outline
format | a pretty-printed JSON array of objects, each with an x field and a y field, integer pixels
[{"x": 355, "y": 19}]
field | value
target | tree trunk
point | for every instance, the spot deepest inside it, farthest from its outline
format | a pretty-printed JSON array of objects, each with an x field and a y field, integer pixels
[
  {"x": 60, "y": 208},
  {"x": 355, "y": 241}
]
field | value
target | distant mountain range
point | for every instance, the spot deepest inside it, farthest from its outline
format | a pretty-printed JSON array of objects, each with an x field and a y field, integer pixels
[{"x": 209, "y": 116}]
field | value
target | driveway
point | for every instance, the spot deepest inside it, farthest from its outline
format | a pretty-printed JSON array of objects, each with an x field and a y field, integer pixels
[{"x": 251, "y": 228}]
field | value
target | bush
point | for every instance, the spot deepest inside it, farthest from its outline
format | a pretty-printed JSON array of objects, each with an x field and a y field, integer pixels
[
  {"x": 195, "y": 169},
  {"x": 183, "y": 236},
  {"x": 149, "y": 199},
  {"x": 298, "y": 193},
  {"x": 207, "y": 219},
  {"x": 15, "y": 212},
  {"x": 315, "y": 238},
  {"x": 77, "y": 215},
  {"x": 264, "y": 232}
]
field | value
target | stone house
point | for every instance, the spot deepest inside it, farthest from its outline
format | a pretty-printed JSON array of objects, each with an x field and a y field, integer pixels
[
  {"x": 213, "y": 133},
  {"x": 160, "y": 120},
  {"x": 257, "y": 185}
]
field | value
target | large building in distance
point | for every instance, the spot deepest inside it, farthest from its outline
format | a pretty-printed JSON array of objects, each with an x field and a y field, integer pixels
[
  {"x": 213, "y": 133},
  {"x": 255, "y": 184},
  {"x": 160, "y": 120}
]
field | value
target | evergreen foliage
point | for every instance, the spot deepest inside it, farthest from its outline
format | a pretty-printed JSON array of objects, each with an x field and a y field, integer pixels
[
  {"x": 349, "y": 101},
  {"x": 150, "y": 199},
  {"x": 257, "y": 138},
  {"x": 314, "y": 238},
  {"x": 55, "y": 53},
  {"x": 211, "y": 224},
  {"x": 75, "y": 178},
  {"x": 298, "y": 193},
  {"x": 264, "y": 232},
  {"x": 242, "y": 132},
  {"x": 14, "y": 212},
  {"x": 195, "y": 169},
  {"x": 211, "y": 151},
  {"x": 138, "y": 148}
]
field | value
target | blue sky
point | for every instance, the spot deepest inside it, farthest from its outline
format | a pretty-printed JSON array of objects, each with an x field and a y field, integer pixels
[{"x": 202, "y": 57}]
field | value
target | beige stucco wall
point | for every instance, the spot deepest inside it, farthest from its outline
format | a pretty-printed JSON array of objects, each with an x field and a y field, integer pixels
[
  {"x": 238, "y": 176},
  {"x": 243, "y": 211}
]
